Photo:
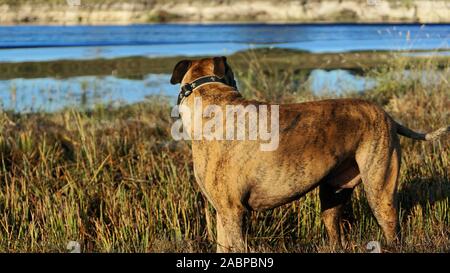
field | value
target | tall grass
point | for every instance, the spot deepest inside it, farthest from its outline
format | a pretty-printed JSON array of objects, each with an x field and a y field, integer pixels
[{"x": 113, "y": 180}]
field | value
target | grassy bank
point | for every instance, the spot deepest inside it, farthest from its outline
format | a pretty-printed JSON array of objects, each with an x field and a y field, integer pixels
[
  {"x": 113, "y": 180},
  {"x": 132, "y": 67}
]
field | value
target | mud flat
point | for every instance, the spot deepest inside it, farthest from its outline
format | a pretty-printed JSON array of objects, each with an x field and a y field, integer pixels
[{"x": 281, "y": 58}]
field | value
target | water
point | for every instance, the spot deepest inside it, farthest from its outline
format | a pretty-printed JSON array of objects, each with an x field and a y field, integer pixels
[
  {"x": 43, "y": 43},
  {"x": 49, "y": 94},
  {"x": 50, "y": 43}
]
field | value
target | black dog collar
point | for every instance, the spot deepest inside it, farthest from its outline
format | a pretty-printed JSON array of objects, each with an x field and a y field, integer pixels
[{"x": 188, "y": 88}]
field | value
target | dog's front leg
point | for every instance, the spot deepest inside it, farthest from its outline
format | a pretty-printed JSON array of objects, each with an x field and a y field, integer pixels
[
  {"x": 230, "y": 230},
  {"x": 222, "y": 240}
]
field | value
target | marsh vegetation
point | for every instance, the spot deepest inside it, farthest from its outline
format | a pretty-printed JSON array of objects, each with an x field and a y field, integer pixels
[{"x": 113, "y": 179}]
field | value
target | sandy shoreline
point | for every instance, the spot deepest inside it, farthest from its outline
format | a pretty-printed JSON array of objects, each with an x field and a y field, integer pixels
[
  {"x": 324, "y": 23},
  {"x": 258, "y": 11}
]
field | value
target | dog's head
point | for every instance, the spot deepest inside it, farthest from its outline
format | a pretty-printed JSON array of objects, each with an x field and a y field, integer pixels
[{"x": 186, "y": 71}]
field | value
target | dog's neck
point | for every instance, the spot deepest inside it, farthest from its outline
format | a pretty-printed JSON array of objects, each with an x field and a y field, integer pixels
[
  {"x": 218, "y": 94},
  {"x": 190, "y": 87}
]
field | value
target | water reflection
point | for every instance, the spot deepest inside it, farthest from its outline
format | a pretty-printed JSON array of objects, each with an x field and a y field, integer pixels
[
  {"x": 338, "y": 81},
  {"x": 49, "y": 94}
]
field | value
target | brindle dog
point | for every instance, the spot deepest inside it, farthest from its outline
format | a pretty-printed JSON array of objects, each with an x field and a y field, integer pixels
[{"x": 331, "y": 144}]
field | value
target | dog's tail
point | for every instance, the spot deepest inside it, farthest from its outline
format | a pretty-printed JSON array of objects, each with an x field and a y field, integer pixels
[{"x": 405, "y": 131}]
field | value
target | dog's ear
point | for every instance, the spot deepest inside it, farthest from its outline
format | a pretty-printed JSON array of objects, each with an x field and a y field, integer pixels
[
  {"x": 220, "y": 66},
  {"x": 179, "y": 70}
]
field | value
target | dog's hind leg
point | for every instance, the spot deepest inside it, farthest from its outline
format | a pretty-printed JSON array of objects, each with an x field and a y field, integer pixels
[
  {"x": 332, "y": 204},
  {"x": 335, "y": 192},
  {"x": 379, "y": 177}
]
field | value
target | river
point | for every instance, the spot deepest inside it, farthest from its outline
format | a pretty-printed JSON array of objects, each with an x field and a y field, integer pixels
[{"x": 20, "y": 44}]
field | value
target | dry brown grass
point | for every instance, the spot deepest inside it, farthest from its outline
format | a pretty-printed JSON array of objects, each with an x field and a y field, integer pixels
[{"x": 113, "y": 180}]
